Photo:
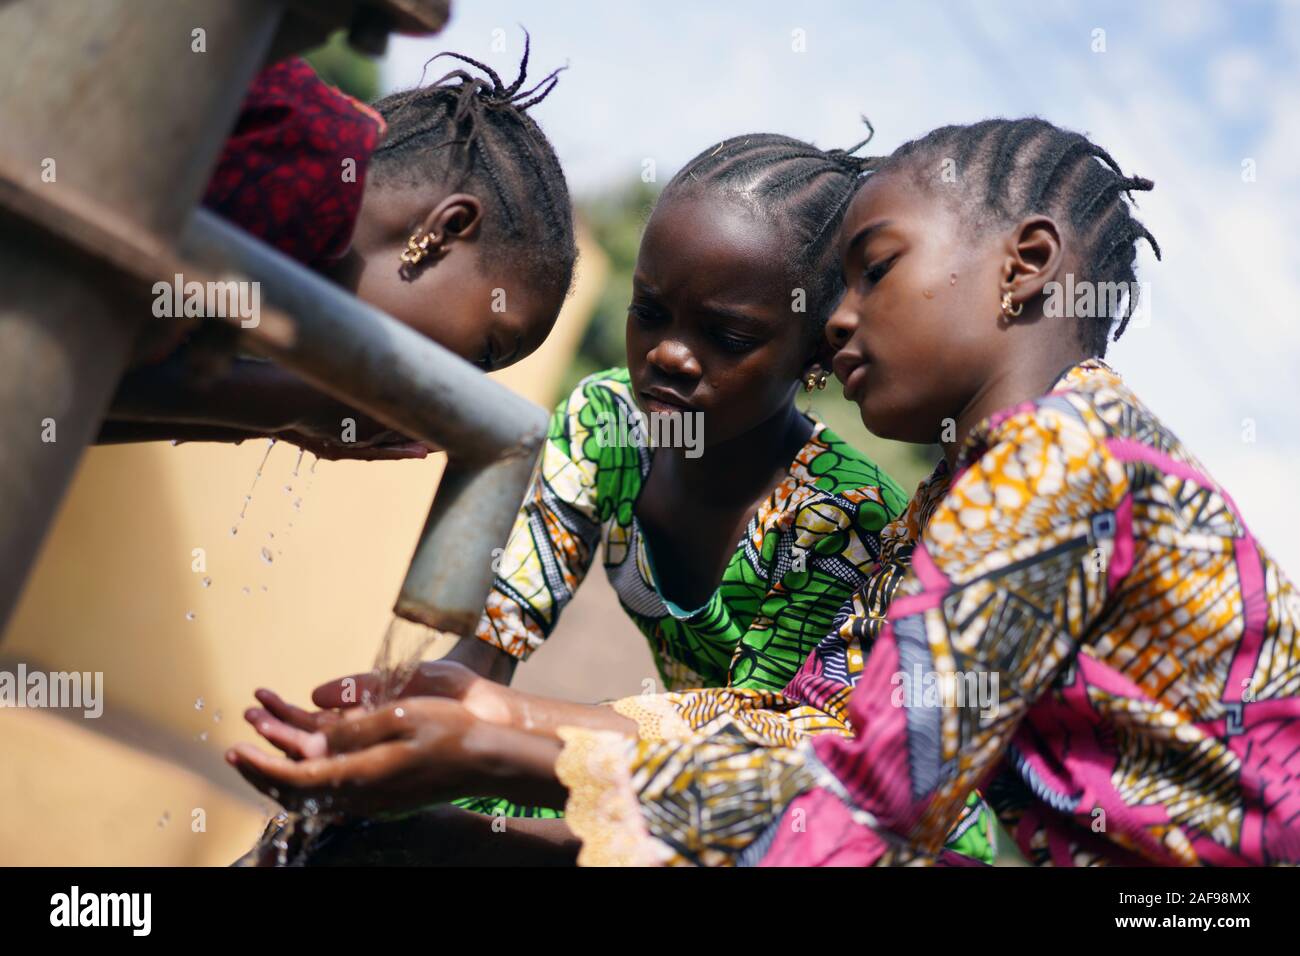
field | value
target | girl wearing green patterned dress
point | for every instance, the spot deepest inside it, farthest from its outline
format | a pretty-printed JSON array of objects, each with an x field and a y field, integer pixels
[{"x": 733, "y": 550}]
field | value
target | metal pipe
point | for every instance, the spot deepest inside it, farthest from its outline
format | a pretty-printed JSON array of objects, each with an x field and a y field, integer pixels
[
  {"x": 450, "y": 574},
  {"x": 143, "y": 145},
  {"x": 368, "y": 359}
]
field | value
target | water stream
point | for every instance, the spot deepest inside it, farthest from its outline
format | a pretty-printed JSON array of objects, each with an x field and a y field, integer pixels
[{"x": 292, "y": 834}]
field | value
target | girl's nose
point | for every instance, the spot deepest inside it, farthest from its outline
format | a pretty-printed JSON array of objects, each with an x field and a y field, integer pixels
[
  {"x": 843, "y": 323},
  {"x": 673, "y": 358}
]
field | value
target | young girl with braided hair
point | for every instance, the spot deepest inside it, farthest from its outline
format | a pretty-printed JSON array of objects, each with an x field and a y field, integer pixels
[{"x": 443, "y": 205}]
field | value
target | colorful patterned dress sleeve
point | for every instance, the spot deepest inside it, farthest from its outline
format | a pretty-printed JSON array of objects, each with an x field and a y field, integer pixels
[{"x": 551, "y": 548}]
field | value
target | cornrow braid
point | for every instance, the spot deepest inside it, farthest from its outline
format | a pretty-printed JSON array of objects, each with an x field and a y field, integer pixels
[
  {"x": 470, "y": 132},
  {"x": 804, "y": 189},
  {"x": 1009, "y": 169}
]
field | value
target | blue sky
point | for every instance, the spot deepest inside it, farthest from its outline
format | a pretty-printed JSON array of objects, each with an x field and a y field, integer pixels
[{"x": 1183, "y": 93}]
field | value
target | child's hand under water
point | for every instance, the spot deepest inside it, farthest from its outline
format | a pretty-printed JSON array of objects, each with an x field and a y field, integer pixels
[
  {"x": 401, "y": 756},
  {"x": 487, "y": 700},
  {"x": 451, "y": 732},
  {"x": 292, "y": 728}
]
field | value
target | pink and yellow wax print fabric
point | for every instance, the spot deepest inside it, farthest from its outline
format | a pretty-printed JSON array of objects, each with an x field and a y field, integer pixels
[{"x": 1148, "y": 702}]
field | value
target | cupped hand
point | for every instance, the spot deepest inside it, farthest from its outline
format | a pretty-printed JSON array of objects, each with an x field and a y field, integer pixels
[{"x": 404, "y": 755}]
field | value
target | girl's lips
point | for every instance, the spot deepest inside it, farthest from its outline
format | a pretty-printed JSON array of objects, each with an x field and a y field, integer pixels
[
  {"x": 658, "y": 401},
  {"x": 856, "y": 382},
  {"x": 657, "y": 406}
]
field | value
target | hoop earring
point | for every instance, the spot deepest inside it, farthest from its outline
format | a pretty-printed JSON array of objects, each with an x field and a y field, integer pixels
[
  {"x": 1006, "y": 305},
  {"x": 821, "y": 380}
]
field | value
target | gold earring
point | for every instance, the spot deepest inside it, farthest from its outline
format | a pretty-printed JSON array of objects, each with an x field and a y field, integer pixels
[
  {"x": 1006, "y": 305},
  {"x": 821, "y": 380},
  {"x": 810, "y": 382},
  {"x": 417, "y": 247}
]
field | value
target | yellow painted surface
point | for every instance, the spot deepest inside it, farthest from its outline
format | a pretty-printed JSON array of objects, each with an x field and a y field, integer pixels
[
  {"x": 80, "y": 798},
  {"x": 112, "y": 590}
]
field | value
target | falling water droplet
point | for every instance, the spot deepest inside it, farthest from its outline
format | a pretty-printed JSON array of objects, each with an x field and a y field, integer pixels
[
  {"x": 164, "y": 819},
  {"x": 399, "y": 712},
  {"x": 246, "y": 590},
  {"x": 264, "y": 587},
  {"x": 266, "y": 556},
  {"x": 206, "y": 582},
  {"x": 270, "y": 443},
  {"x": 314, "y": 463},
  {"x": 190, "y": 615},
  {"x": 301, "y": 452},
  {"x": 216, "y": 717},
  {"x": 927, "y": 293},
  {"x": 198, "y": 704},
  {"x": 270, "y": 534},
  {"x": 203, "y": 736},
  {"x": 297, "y": 504},
  {"x": 952, "y": 278},
  {"x": 288, "y": 489},
  {"x": 175, "y": 442}
]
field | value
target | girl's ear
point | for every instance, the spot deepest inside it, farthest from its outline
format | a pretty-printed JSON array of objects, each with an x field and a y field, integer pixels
[
  {"x": 1034, "y": 257},
  {"x": 457, "y": 217}
]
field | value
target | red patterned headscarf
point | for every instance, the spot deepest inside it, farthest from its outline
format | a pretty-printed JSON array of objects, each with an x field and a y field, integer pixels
[{"x": 282, "y": 175}]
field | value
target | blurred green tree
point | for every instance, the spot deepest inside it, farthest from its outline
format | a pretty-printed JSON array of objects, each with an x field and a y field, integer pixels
[{"x": 339, "y": 65}]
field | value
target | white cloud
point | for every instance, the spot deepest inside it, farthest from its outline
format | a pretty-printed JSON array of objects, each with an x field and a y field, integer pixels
[{"x": 1238, "y": 82}]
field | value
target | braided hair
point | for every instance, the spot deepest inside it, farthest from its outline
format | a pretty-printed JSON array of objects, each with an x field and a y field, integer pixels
[
  {"x": 470, "y": 132},
  {"x": 796, "y": 185},
  {"x": 1015, "y": 168}
]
